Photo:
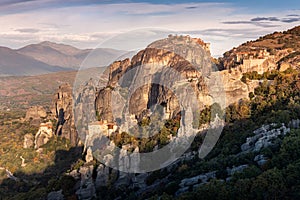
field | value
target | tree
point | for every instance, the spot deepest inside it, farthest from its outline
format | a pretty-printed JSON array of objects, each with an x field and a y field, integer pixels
[{"x": 269, "y": 185}]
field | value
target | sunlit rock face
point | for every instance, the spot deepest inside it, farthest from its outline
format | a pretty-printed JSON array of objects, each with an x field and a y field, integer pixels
[
  {"x": 43, "y": 135},
  {"x": 28, "y": 141},
  {"x": 153, "y": 74},
  {"x": 35, "y": 115}
]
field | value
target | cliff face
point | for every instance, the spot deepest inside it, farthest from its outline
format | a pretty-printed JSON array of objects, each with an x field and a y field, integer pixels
[
  {"x": 154, "y": 75},
  {"x": 149, "y": 78},
  {"x": 146, "y": 84},
  {"x": 63, "y": 111}
]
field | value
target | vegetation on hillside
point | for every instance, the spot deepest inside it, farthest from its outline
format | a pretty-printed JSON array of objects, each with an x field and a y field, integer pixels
[
  {"x": 284, "y": 46},
  {"x": 42, "y": 168},
  {"x": 278, "y": 102}
]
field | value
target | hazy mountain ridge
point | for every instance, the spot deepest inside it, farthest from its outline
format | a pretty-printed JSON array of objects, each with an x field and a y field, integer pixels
[
  {"x": 50, "y": 55},
  {"x": 47, "y": 57},
  {"x": 13, "y": 63}
]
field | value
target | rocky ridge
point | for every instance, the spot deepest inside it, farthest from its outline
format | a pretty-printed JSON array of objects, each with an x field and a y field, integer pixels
[{"x": 278, "y": 50}]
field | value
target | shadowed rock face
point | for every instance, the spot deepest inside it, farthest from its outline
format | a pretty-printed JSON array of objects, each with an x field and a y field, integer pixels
[{"x": 63, "y": 112}]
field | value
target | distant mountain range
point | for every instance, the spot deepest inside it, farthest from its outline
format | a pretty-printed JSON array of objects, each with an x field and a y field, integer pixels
[{"x": 47, "y": 57}]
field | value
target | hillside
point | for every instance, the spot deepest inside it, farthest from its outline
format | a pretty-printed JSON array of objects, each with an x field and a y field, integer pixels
[
  {"x": 48, "y": 57},
  {"x": 68, "y": 56},
  {"x": 13, "y": 63},
  {"x": 280, "y": 47},
  {"x": 53, "y": 54}
]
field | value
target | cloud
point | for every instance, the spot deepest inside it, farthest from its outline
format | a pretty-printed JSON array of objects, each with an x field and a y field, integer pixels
[
  {"x": 238, "y": 22},
  {"x": 272, "y": 19},
  {"x": 290, "y": 20},
  {"x": 86, "y": 24},
  {"x": 227, "y": 33},
  {"x": 162, "y": 13},
  {"x": 267, "y": 21},
  {"x": 293, "y": 15},
  {"x": 260, "y": 24},
  {"x": 191, "y": 7},
  {"x": 11, "y": 2},
  {"x": 28, "y": 30}
]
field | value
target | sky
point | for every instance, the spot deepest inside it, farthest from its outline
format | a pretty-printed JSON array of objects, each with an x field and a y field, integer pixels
[{"x": 131, "y": 25}]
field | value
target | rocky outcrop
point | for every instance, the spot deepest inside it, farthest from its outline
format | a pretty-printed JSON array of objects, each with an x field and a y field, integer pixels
[
  {"x": 103, "y": 176},
  {"x": 56, "y": 195},
  {"x": 87, "y": 189},
  {"x": 36, "y": 114},
  {"x": 63, "y": 112},
  {"x": 153, "y": 74},
  {"x": 136, "y": 78},
  {"x": 263, "y": 137},
  {"x": 195, "y": 182},
  {"x": 89, "y": 155},
  {"x": 43, "y": 135},
  {"x": 279, "y": 50},
  {"x": 260, "y": 159},
  {"x": 28, "y": 141},
  {"x": 9, "y": 174},
  {"x": 84, "y": 109}
]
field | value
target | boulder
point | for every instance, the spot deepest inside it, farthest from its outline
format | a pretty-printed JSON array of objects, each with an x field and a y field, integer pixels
[
  {"x": 28, "y": 141},
  {"x": 260, "y": 159},
  {"x": 56, "y": 195},
  {"x": 43, "y": 135}
]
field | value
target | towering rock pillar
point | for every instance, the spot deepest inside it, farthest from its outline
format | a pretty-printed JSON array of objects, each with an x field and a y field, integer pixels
[{"x": 63, "y": 112}]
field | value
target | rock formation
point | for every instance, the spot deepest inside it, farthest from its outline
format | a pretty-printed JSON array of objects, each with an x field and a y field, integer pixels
[
  {"x": 56, "y": 195},
  {"x": 43, "y": 135},
  {"x": 28, "y": 141},
  {"x": 103, "y": 176},
  {"x": 279, "y": 50},
  {"x": 87, "y": 188},
  {"x": 150, "y": 77},
  {"x": 131, "y": 78},
  {"x": 35, "y": 115},
  {"x": 89, "y": 155},
  {"x": 263, "y": 137},
  {"x": 63, "y": 112},
  {"x": 136, "y": 78}
]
